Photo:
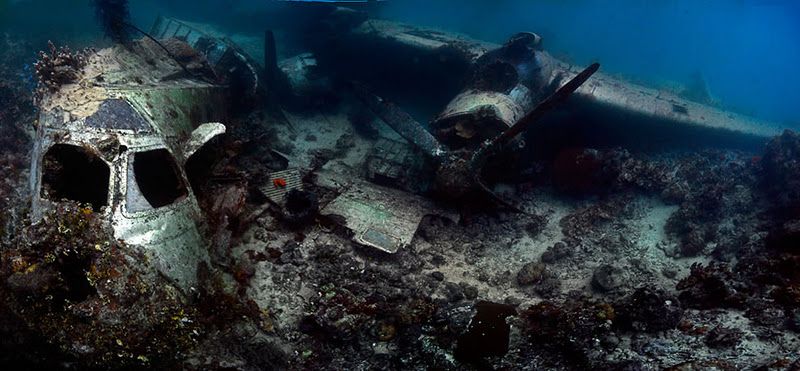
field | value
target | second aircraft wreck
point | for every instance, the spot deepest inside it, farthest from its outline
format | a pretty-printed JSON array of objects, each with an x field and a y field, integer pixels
[{"x": 119, "y": 135}]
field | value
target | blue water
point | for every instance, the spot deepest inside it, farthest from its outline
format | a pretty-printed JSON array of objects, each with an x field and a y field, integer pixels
[{"x": 747, "y": 51}]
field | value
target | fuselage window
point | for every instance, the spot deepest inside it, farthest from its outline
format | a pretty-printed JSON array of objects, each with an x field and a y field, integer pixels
[
  {"x": 74, "y": 173},
  {"x": 153, "y": 181}
]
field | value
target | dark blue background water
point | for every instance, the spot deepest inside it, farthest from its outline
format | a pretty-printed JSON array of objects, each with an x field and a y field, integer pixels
[{"x": 748, "y": 52}]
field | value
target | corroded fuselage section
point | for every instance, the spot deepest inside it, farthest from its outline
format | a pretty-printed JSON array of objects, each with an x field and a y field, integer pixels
[{"x": 116, "y": 139}]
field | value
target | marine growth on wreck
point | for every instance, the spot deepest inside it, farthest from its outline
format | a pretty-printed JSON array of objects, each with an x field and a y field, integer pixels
[{"x": 377, "y": 185}]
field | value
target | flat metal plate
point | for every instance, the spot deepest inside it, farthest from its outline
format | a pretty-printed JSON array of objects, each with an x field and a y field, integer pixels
[{"x": 380, "y": 217}]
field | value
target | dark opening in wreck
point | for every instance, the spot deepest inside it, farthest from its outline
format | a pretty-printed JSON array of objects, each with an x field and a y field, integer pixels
[
  {"x": 73, "y": 173},
  {"x": 158, "y": 179}
]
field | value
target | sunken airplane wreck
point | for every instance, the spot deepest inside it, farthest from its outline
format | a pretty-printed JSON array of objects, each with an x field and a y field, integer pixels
[
  {"x": 504, "y": 90},
  {"x": 494, "y": 94},
  {"x": 119, "y": 138}
]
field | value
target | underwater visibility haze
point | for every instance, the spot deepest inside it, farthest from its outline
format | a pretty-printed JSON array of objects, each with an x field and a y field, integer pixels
[{"x": 399, "y": 184}]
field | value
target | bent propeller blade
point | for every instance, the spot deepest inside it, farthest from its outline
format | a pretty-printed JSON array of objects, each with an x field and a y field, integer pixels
[
  {"x": 480, "y": 155},
  {"x": 553, "y": 100},
  {"x": 532, "y": 117},
  {"x": 401, "y": 122}
]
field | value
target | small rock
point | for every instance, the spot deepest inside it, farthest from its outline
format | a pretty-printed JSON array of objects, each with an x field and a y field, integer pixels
[
  {"x": 606, "y": 278},
  {"x": 510, "y": 300},
  {"x": 243, "y": 271},
  {"x": 470, "y": 292},
  {"x": 557, "y": 252},
  {"x": 693, "y": 243},
  {"x": 453, "y": 292},
  {"x": 670, "y": 273},
  {"x": 439, "y": 276},
  {"x": 549, "y": 286},
  {"x": 438, "y": 260},
  {"x": 610, "y": 341},
  {"x": 530, "y": 273},
  {"x": 722, "y": 337},
  {"x": 536, "y": 225}
]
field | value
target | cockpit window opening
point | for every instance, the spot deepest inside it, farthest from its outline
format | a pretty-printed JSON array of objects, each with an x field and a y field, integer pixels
[
  {"x": 154, "y": 181},
  {"x": 71, "y": 172}
]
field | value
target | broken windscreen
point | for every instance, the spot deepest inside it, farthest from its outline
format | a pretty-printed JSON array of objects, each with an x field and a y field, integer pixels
[
  {"x": 74, "y": 173},
  {"x": 153, "y": 181},
  {"x": 117, "y": 114}
]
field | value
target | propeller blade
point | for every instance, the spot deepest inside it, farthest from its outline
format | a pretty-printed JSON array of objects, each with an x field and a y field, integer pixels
[
  {"x": 481, "y": 154},
  {"x": 553, "y": 100},
  {"x": 561, "y": 95},
  {"x": 401, "y": 122}
]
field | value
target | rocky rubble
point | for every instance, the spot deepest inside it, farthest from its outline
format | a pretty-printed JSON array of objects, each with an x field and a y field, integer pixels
[{"x": 70, "y": 281}]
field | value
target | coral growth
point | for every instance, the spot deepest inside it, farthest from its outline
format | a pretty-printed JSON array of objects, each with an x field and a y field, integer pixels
[
  {"x": 649, "y": 309},
  {"x": 570, "y": 331},
  {"x": 69, "y": 280},
  {"x": 706, "y": 189},
  {"x": 711, "y": 286},
  {"x": 61, "y": 66}
]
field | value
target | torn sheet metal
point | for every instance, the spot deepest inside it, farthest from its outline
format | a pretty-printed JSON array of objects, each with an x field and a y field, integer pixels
[
  {"x": 202, "y": 135},
  {"x": 379, "y": 217}
]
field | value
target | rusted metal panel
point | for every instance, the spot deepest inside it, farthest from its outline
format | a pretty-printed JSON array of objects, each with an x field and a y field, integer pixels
[{"x": 378, "y": 217}]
